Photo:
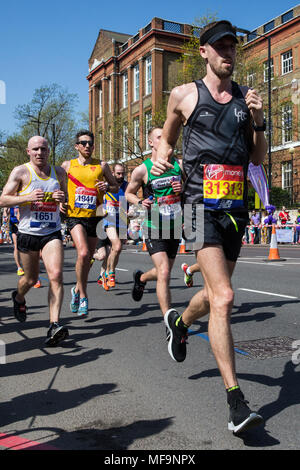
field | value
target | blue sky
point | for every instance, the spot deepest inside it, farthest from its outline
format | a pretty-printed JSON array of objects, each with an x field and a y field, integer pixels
[{"x": 50, "y": 42}]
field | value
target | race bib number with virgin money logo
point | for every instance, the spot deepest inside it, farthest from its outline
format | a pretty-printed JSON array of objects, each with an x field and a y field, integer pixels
[
  {"x": 169, "y": 206},
  {"x": 223, "y": 186},
  {"x": 43, "y": 214},
  {"x": 86, "y": 198}
]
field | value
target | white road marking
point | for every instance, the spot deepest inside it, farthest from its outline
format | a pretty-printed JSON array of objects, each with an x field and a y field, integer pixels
[{"x": 268, "y": 293}]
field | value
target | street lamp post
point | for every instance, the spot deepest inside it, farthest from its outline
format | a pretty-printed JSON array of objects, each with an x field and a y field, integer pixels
[{"x": 246, "y": 31}]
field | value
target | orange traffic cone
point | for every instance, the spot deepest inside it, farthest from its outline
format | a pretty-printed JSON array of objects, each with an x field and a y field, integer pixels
[
  {"x": 182, "y": 246},
  {"x": 144, "y": 245},
  {"x": 274, "y": 252}
]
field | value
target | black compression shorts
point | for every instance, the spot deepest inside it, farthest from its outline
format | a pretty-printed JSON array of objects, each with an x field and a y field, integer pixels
[
  {"x": 26, "y": 242},
  {"x": 158, "y": 245}
]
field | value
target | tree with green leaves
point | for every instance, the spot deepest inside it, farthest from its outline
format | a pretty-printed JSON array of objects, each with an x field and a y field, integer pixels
[{"x": 50, "y": 115}]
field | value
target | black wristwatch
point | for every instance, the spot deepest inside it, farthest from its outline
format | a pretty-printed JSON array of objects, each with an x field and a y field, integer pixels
[{"x": 260, "y": 128}]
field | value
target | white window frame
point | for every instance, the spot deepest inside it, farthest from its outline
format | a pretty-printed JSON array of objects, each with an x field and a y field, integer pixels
[
  {"x": 287, "y": 123},
  {"x": 125, "y": 140},
  {"x": 100, "y": 145},
  {"x": 100, "y": 102},
  {"x": 148, "y": 75},
  {"x": 110, "y": 143},
  {"x": 125, "y": 90},
  {"x": 266, "y": 70},
  {"x": 136, "y": 134},
  {"x": 251, "y": 78},
  {"x": 136, "y": 82},
  {"x": 109, "y": 95},
  {"x": 287, "y": 62},
  {"x": 287, "y": 176},
  {"x": 148, "y": 123}
]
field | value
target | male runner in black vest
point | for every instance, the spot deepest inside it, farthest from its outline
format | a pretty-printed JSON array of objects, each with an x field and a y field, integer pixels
[{"x": 223, "y": 131}]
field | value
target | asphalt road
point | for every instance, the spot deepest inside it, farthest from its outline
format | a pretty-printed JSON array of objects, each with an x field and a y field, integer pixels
[{"x": 112, "y": 384}]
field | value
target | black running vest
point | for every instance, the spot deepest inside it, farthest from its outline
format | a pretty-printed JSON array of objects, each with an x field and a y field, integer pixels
[{"x": 216, "y": 145}]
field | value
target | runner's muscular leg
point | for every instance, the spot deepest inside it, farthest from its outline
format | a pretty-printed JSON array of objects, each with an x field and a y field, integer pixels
[
  {"x": 116, "y": 248},
  {"x": 217, "y": 272},
  {"x": 53, "y": 257},
  {"x": 163, "y": 266},
  {"x": 31, "y": 265},
  {"x": 84, "y": 255}
]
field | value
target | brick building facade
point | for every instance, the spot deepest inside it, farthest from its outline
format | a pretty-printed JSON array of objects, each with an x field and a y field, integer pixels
[
  {"x": 284, "y": 33},
  {"x": 129, "y": 77}
]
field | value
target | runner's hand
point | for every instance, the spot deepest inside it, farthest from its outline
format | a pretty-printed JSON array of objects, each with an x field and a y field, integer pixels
[
  {"x": 101, "y": 186},
  {"x": 160, "y": 166},
  {"x": 37, "y": 195},
  {"x": 58, "y": 196},
  {"x": 177, "y": 187},
  {"x": 255, "y": 105},
  {"x": 63, "y": 207},
  {"x": 147, "y": 203}
]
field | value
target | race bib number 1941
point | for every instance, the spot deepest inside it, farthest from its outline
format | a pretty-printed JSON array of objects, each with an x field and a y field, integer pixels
[
  {"x": 223, "y": 186},
  {"x": 86, "y": 198}
]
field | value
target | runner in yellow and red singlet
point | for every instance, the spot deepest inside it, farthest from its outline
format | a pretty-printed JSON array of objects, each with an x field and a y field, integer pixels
[{"x": 88, "y": 180}]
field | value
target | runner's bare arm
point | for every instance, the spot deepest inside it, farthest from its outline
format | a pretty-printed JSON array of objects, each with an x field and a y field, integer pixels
[
  {"x": 259, "y": 148},
  {"x": 18, "y": 178},
  {"x": 138, "y": 177},
  {"x": 178, "y": 111},
  {"x": 66, "y": 165},
  {"x": 60, "y": 195},
  {"x": 110, "y": 179}
]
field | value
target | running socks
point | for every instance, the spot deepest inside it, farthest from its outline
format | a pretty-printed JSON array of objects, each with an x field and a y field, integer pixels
[
  {"x": 179, "y": 323},
  {"x": 231, "y": 393}
]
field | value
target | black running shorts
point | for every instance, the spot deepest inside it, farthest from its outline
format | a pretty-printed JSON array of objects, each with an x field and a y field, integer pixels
[
  {"x": 225, "y": 229},
  {"x": 89, "y": 224},
  {"x": 217, "y": 228},
  {"x": 26, "y": 242},
  {"x": 157, "y": 246}
]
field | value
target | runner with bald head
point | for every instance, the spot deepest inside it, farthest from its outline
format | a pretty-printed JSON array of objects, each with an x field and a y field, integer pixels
[{"x": 38, "y": 188}]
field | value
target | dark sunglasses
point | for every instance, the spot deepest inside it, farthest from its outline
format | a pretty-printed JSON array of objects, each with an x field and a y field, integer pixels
[{"x": 85, "y": 142}]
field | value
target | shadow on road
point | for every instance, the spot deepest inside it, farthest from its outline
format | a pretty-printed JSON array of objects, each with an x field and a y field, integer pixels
[
  {"x": 288, "y": 396},
  {"x": 96, "y": 436}
]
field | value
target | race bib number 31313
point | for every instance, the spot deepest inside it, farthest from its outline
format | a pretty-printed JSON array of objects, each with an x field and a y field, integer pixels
[{"x": 223, "y": 186}]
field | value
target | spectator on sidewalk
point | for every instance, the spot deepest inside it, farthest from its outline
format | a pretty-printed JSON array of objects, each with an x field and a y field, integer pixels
[{"x": 255, "y": 219}]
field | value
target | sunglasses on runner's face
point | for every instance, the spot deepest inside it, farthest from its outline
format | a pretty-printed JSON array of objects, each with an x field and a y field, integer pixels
[{"x": 85, "y": 142}]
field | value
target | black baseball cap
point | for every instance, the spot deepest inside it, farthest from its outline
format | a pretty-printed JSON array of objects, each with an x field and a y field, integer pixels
[{"x": 219, "y": 30}]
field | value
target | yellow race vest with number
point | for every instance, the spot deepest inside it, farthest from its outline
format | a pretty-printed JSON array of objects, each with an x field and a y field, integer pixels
[{"x": 84, "y": 197}]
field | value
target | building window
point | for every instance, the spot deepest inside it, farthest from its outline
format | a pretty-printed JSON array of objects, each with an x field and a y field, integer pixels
[
  {"x": 110, "y": 143},
  {"x": 266, "y": 70},
  {"x": 252, "y": 36},
  {"x": 136, "y": 83},
  {"x": 251, "y": 78},
  {"x": 136, "y": 135},
  {"x": 148, "y": 75},
  {"x": 148, "y": 122},
  {"x": 125, "y": 90},
  {"x": 174, "y": 27},
  {"x": 287, "y": 16},
  {"x": 125, "y": 141},
  {"x": 287, "y": 177},
  {"x": 100, "y": 145},
  {"x": 109, "y": 95},
  {"x": 100, "y": 103},
  {"x": 269, "y": 26},
  {"x": 287, "y": 123},
  {"x": 287, "y": 62}
]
